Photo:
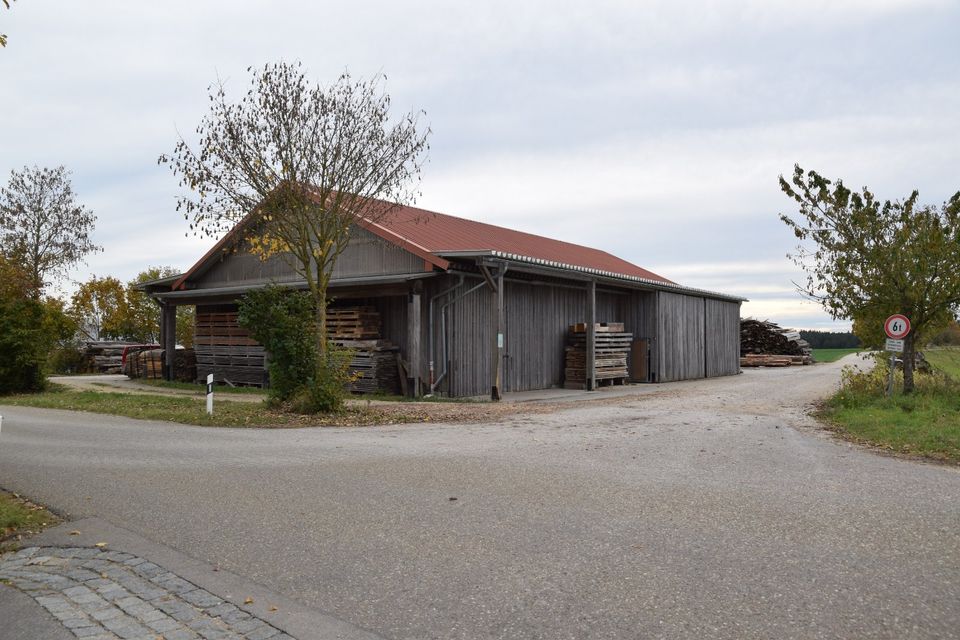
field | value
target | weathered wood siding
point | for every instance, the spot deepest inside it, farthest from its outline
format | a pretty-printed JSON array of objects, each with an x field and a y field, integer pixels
[
  {"x": 537, "y": 317},
  {"x": 680, "y": 333},
  {"x": 723, "y": 337},
  {"x": 640, "y": 319},
  {"x": 366, "y": 255}
]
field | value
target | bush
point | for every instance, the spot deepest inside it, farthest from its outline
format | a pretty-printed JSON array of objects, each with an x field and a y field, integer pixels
[
  {"x": 284, "y": 322},
  {"x": 23, "y": 345},
  {"x": 326, "y": 392},
  {"x": 67, "y": 359},
  {"x": 861, "y": 387}
]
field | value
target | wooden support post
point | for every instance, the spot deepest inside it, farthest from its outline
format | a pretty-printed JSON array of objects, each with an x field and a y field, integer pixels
[
  {"x": 591, "y": 336},
  {"x": 168, "y": 338},
  {"x": 499, "y": 338},
  {"x": 414, "y": 311}
]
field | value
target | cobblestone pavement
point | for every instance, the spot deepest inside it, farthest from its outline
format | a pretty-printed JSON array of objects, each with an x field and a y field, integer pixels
[{"x": 105, "y": 595}]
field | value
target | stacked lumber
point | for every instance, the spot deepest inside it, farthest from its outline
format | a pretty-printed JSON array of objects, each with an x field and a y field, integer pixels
[
  {"x": 611, "y": 350},
  {"x": 767, "y": 360},
  {"x": 226, "y": 350},
  {"x": 105, "y": 356},
  {"x": 765, "y": 337},
  {"x": 373, "y": 366},
  {"x": 148, "y": 364},
  {"x": 353, "y": 323}
]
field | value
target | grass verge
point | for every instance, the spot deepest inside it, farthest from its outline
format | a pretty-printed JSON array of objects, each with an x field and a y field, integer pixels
[
  {"x": 925, "y": 423},
  {"x": 20, "y": 517},
  {"x": 188, "y": 410},
  {"x": 832, "y": 355},
  {"x": 201, "y": 388}
]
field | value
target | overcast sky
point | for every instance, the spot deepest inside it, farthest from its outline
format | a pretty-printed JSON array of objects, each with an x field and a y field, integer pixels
[{"x": 653, "y": 130}]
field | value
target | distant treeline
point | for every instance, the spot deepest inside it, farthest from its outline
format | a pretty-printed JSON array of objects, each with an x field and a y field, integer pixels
[{"x": 830, "y": 339}]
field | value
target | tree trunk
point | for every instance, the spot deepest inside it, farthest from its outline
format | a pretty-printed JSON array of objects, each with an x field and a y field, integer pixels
[
  {"x": 909, "y": 359},
  {"x": 320, "y": 299},
  {"x": 322, "y": 325}
]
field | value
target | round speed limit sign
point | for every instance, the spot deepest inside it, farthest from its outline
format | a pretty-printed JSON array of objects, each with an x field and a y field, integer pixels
[{"x": 897, "y": 326}]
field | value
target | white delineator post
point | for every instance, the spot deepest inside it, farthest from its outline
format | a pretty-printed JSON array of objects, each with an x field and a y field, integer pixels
[{"x": 210, "y": 394}]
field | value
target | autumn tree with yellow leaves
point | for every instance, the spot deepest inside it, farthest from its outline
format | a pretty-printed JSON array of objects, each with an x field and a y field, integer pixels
[{"x": 299, "y": 164}]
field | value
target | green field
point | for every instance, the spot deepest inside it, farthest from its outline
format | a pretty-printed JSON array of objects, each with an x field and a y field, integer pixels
[
  {"x": 946, "y": 359},
  {"x": 832, "y": 355}
]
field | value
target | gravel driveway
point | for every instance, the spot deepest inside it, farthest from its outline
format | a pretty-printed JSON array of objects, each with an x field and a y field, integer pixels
[{"x": 711, "y": 509}]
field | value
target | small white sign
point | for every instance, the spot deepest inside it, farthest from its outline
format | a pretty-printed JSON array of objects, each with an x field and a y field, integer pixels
[
  {"x": 499, "y": 341},
  {"x": 210, "y": 394},
  {"x": 894, "y": 345}
]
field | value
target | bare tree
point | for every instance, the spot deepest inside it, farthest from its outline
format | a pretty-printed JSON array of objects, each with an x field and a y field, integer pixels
[
  {"x": 42, "y": 226},
  {"x": 305, "y": 162},
  {"x": 3, "y": 37}
]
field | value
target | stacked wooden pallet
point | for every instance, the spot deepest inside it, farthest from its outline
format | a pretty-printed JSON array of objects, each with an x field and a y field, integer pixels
[
  {"x": 768, "y": 360},
  {"x": 353, "y": 323},
  {"x": 226, "y": 350},
  {"x": 373, "y": 366},
  {"x": 611, "y": 350}
]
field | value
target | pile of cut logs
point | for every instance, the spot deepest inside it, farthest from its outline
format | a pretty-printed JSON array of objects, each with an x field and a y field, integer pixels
[
  {"x": 373, "y": 365},
  {"x": 611, "y": 349},
  {"x": 767, "y": 360},
  {"x": 767, "y": 344},
  {"x": 105, "y": 356}
]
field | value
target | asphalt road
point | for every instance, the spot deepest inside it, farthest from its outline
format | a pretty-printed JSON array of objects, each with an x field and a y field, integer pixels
[{"x": 708, "y": 509}]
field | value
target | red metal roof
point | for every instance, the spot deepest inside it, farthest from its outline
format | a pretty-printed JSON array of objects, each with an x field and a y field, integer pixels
[
  {"x": 432, "y": 235},
  {"x": 442, "y": 234}
]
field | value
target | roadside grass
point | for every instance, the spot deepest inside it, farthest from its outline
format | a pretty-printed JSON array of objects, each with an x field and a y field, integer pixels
[
  {"x": 20, "y": 517},
  {"x": 925, "y": 423},
  {"x": 189, "y": 410},
  {"x": 832, "y": 355},
  {"x": 201, "y": 388}
]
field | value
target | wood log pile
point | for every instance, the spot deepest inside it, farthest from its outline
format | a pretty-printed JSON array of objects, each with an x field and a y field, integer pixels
[
  {"x": 105, "y": 356},
  {"x": 766, "y": 360},
  {"x": 611, "y": 350},
  {"x": 767, "y": 344}
]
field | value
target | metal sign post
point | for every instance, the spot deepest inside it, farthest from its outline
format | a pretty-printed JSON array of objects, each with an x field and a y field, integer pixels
[
  {"x": 210, "y": 394},
  {"x": 896, "y": 327}
]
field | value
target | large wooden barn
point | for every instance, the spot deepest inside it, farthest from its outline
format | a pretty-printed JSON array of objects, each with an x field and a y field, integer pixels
[{"x": 471, "y": 309}]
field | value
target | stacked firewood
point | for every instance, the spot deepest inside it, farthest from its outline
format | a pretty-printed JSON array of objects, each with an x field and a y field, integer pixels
[{"x": 765, "y": 337}]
